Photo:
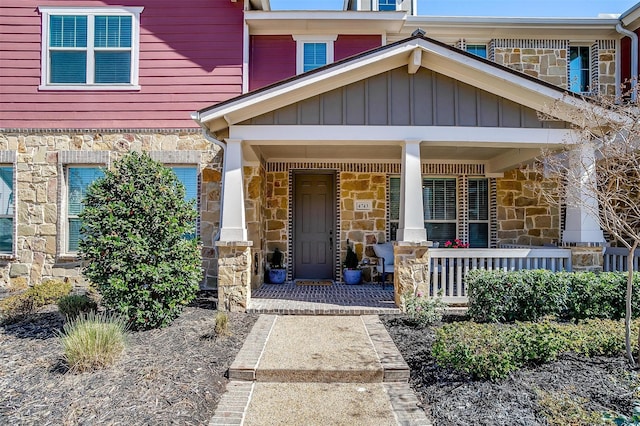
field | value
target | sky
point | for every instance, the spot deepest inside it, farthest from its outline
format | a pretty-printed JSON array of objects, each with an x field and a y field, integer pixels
[{"x": 538, "y": 8}]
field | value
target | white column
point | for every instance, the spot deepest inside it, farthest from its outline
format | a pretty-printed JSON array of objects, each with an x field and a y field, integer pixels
[
  {"x": 581, "y": 224},
  {"x": 411, "y": 227},
  {"x": 233, "y": 226}
]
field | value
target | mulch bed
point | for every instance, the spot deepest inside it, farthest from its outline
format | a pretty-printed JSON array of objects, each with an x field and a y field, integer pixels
[
  {"x": 596, "y": 384},
  {"x": 174, "y": 375}
]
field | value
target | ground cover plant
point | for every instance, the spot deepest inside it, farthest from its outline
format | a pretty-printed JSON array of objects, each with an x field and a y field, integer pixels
[
  {"x": 21, "y": 304},
  {"x": 135, "y": 241}
]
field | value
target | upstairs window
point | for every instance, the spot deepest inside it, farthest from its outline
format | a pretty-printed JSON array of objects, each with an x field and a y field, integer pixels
[
  {"x": 579, "y": 68},
  {"x": 313, "y": 52},
  {"x": 90, "y": 48},
  {"x": 477, "y": 49},
  {"x": 387, "y": 5}
]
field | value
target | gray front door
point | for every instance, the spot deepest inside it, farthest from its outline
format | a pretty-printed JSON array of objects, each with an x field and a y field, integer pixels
[{"x": 314, "y": 225}]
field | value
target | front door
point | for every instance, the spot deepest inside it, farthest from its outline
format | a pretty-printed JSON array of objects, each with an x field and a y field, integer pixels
[{"x": 314, "y": 229}]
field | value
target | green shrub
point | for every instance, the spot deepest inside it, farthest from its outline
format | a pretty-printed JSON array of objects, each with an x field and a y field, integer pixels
[
  {"x": 504, "y": 296},
  {"x": 135, "y": 227},
  {"x": 601, "y": 295},
  {"x": 477, "y": 349},
  {"x": 421, "y": 310},
  {"x": 92, "y": 341},
  {"x": 75, "y": 304},
  {"x": 19, "y": 305},
  {"x": 49, "y": 292},
  {"x": 492, "y": 351}
]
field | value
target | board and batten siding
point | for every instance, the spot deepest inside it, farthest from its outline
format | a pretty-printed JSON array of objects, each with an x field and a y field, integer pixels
[
  {"x": 190, "y": 57},
  {"x": 273, "y": 57},
  {"x": 397, "y": 98}
]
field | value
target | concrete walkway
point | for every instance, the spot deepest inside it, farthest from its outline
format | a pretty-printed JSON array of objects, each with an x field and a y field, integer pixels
[{"x": 319, "y": 370}]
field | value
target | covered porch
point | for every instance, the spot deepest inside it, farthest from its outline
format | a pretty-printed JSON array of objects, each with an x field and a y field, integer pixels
[{"x": 414, "y": 143}]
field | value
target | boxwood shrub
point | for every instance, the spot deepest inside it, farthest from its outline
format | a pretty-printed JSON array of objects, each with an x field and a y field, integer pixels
[
  {"x": 505, "y": 296},
  {"x": 529, "y": 295},
  {"x": 492, "y": 351}
]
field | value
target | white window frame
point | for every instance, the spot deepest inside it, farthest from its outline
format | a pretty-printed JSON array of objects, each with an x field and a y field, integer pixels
[
  {"x": 14, "y": 236},
  {"x": 376, "y": 5},
  {"x": 486, "y": 46},
  {"x": 468, "y": 212},
  {"x": 134, "y": 12},
  {"x": 589, "y": 47},
  {"x": 65, "y": 200},
  {"x": 301, "y": 40}
]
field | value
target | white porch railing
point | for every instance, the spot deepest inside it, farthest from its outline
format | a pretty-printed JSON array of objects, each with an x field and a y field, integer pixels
[
  {"x": 615, "y": 259},
  {"x": 449, "y": 266}
]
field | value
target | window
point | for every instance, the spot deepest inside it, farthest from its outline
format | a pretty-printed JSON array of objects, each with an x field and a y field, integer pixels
[
  {"x": 78, "y": 180},
  {"x": 90, "y": 48},
  {"x": 439, "y": 201},
  {"x": 439, "y": 198},
  {"x": 579, "y": 69},
  {"x": 313, "y": 52},
  {"x": 477, "y": 49},
  {"x": 478, "y": 213},
  {"x": 7, "y": 204},
  {"x": 386, "y": 5},
  {"x": 188, "y": 176}
]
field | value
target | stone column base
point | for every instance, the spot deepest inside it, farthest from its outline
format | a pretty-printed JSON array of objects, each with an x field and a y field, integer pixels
[
  {"x": 587, "y": 258},
  {"x": 234, "y": 275},
  {"x": 411, "y": 265}
]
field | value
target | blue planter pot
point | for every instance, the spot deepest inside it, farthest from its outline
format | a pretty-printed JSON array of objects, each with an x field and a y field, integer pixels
[
  {"x": 277, "y": 276},
  {"x": 352, "y": 276}
]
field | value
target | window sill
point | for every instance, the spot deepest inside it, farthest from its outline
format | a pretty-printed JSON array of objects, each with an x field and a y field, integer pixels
[
  {"x": 68, "y": 257},
  {"x": 86, "y": 87},
  {"x": 4, "y": 257}
]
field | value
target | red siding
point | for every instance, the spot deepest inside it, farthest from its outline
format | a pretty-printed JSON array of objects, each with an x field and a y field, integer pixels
[
  {"x": 349, "y": 45},
  {"x": 272, "y": 58},
  {"x": 625, "y": 59},
  {"x": 190, "y": 58}
]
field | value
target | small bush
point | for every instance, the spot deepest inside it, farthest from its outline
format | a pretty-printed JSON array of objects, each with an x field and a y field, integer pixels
[
  {"x": 93, "y": 341},
  {"x": 222, "y": 324},
  {"x": 601, "y": 295},
  {"x": 49, "y": 292},
  {"x": 506, "y": 296},
  {"x": 73, "y": 305},
  {"x": 423, "y": 311},
  {"x": 19, "y": 305},
  {"x": 477, "y": 349},
  {"x": 492, "y": 351},
  {"x": 136, "y": 228}
]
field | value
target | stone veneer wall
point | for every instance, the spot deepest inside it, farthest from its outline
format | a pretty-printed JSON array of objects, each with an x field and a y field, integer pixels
[
  {"x": 40, "y": 183},
  {"x": 524, "y": 217},
  {"x": 255, "y": 208},
  {"x": 363, "y": 229},
  {"x": 543, "y": 59},
  {"x": 276, "y": 213},
  {"x": 607, "y": 67}
]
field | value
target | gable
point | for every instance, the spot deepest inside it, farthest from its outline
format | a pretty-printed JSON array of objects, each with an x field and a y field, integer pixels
[{"x": 398, "y": 98}]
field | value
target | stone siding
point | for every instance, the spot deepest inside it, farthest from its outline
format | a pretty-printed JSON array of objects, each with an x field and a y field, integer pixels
[
  {"x": 40, "y": 183},
  {"x": 363, "y": 228},
  {"x": 524, "y": 217},
  {"x": 412, "y": 275},
  {"x": 234, "y": 280},
  {"x": 255, "y": 208},
  {"x": 547, "y": 64},
  {"x": 607, "y": 68},
  {"x": 276, "y": 214}
]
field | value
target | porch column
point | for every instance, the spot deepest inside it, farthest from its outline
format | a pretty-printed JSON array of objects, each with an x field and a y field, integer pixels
[
  {"x": 582, "y": 229},
  {"x": 582, "y": 226},
  {"x": 411, "y": 227},
  {"x": 234, "y": 251},
  {"x": 234, "y": 225}
]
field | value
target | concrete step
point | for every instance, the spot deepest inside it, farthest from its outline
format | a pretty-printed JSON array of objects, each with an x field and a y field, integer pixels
[{"x": 326, "y": 349}]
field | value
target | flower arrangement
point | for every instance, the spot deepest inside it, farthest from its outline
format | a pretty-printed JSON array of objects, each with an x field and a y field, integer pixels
[{"x": 457, "y": 243}]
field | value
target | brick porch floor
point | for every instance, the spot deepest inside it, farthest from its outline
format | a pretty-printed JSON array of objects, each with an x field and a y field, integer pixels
[{"x": 336, "y": 299}]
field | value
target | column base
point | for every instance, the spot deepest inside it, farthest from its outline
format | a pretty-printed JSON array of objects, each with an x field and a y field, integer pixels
[
  {"x": 234, "y": 275},
  {"x": 411, "y": 264}
]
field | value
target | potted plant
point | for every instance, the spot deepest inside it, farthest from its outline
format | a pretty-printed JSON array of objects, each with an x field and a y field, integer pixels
[
  {"x": 352, "y": 273},
  {"x": 277, "y": 272}
]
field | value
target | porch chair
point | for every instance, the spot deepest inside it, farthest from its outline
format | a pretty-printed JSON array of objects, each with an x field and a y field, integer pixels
[{"x": 384, "y": 265}]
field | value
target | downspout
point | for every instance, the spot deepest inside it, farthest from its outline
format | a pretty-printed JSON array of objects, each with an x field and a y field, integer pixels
[{"x": 634, "y": 59}]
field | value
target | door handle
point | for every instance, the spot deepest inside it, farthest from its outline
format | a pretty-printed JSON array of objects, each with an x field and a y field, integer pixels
[{"x": 331, "y": 239}]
